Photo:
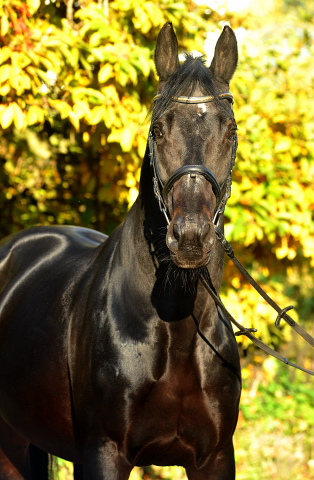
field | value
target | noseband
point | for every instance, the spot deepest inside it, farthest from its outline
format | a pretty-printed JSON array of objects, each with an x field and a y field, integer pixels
[{"x": 192, "y": 170}]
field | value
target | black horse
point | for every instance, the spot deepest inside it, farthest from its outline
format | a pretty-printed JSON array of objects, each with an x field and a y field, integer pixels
[{"x": 101, "y": 361}]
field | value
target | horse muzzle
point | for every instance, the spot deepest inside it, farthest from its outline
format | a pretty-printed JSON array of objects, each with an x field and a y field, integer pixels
[{"x": 190, "y": 242}]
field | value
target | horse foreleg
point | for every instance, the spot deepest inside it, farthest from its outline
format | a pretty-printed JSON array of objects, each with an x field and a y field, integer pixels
[
  {"x": 14, "y": 459},
  {"x": 104, "y": 462},
  {"x": 221, "y": 467}
]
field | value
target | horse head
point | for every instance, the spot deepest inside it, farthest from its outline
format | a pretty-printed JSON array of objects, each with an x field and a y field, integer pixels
[{"x": 192, "y": 144}]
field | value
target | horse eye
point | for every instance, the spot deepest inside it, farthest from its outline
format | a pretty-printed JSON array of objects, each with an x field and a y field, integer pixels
[
  {"x": 157, "y": 132},
  {"x": 231, "y": 134}
]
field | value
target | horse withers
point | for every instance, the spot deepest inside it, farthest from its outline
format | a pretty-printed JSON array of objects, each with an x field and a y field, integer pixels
[{"x": 101, "y": 361}]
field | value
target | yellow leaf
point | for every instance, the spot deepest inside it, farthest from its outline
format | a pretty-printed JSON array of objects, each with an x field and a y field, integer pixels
[
  {"x": 132, "y": 196},
  {"x": 81, "y": 109},
  {"x": 4, "y": 25},
  {"x": 235, "y": 282},
  {"x": 25, "y": 82},
  {"x": 74, "y": 120},
  {"x": 86, "y": 137},
  {"x": 63, "y": 108},
  {"x": 54, "y": 58},
  {"x": 4, "y": 73},
  {"x": 18, "y": 116},
  {"x": 23, "y": 60},
  {"x": 33, "y": 5},
  {"x": 295, "y": 150},
  {"x": 7, "y": 116},
  {"x": 105, "y": 73},
  {"x": 111, "y": 93},
  {"x": 4, "y": 90},
  {"x": 141, "y": 146},
  {"x": 96, "y": 115},
  {"x": 130, "y": 180},
  {"x": 14, "y": 76},
  {"x": 5, "y": 53},
  {"x": 283, "y": 251},
  {"x": 283, "y": 144},
  {"x": 127, "y": 137},
  {"x": 17, "y": 83},
  {"x": 110, "y": 117},
  {"x": 35, "y": 115},
  {"x": 115, "y": 136}
]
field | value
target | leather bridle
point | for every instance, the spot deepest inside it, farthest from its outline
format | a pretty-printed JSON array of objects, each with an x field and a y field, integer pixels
[{"x": 221, "y": 192}]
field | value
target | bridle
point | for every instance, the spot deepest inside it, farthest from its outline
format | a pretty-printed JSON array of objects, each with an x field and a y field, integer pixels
[{"x": 221, "y": 192}]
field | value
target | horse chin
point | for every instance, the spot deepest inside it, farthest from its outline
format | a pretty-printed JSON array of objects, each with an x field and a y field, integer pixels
[{"x": 190, "y": 264}]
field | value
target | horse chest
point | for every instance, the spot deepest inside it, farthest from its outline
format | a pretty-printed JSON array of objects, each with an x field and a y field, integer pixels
[
  {"x": 176, "y": 421},
  {"x": 172, "y": 418}
]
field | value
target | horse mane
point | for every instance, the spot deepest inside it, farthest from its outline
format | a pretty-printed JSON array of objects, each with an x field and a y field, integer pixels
[{"x": 190, "y": 74}]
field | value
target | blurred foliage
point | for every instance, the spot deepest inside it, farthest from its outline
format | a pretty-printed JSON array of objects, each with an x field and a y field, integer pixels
[
  {"x": 270, "y": 212},
  {"x": 76, "y": 82},
  {"x": 274, "y": 436}
]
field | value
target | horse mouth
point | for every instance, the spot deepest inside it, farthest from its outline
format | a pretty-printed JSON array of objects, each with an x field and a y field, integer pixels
[{"x": 183, "y": 262}]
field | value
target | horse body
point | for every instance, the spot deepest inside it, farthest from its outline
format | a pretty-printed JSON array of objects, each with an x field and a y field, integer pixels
[
  {"x": 101, "y": 361},
  {"x": 39, "y": 266}
]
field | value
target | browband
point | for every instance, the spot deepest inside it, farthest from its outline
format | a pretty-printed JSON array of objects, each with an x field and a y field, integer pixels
[{"x": 192, "y": 100}]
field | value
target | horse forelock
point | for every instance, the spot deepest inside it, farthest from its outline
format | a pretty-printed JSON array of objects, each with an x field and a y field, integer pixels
[{"x": 191, "y": 74}]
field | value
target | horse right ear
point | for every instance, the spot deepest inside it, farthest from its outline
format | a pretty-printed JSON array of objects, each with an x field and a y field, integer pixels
[
  {"x": 226, "y": 56},
  {"x": 166, "y": 53}
]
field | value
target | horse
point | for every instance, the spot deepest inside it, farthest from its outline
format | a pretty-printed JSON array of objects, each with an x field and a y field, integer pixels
[{"x": 112, "y": 353}]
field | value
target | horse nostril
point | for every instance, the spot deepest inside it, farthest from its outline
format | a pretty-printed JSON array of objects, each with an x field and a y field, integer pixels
[{"x": 176, "y": 232}]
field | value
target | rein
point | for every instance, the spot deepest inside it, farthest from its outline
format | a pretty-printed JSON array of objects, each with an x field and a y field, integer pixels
[
  {"x": 282, "y": 313},
  {"x": 221, "y": 201}
]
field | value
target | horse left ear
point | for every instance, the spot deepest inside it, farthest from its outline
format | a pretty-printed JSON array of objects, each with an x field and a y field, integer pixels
[
  {"x": 225, "y": 58},
  {"x": 166, "y": 53}
]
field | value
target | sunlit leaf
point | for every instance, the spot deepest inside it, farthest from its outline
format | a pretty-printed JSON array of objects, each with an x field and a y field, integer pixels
[
  {"x": 5, "y": 53},
  {"x": 33, "y": 5},
  {"x": 74, "y": 119},
  {"x": 4, "y": 25},
  {"x": 4, "y": 73},
  {"x": 283, "y": 145},
  {"x": 4, "y": 90},
  {"x": 96, "y": 115},
  {"x": 105, "y": 73},
  {"x": 35, "y": 115},
  {"x": 7, "y": 116},
  {"x": 18, "y": 117}
]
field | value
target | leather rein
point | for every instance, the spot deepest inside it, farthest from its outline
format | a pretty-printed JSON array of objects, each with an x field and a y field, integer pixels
[{"x": 222, "y": 194}]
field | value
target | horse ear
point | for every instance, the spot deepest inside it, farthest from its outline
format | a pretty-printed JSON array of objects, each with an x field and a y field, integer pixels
[
  {"x": 225, "y": 58},
  {"x": 166, "y": 53}
]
